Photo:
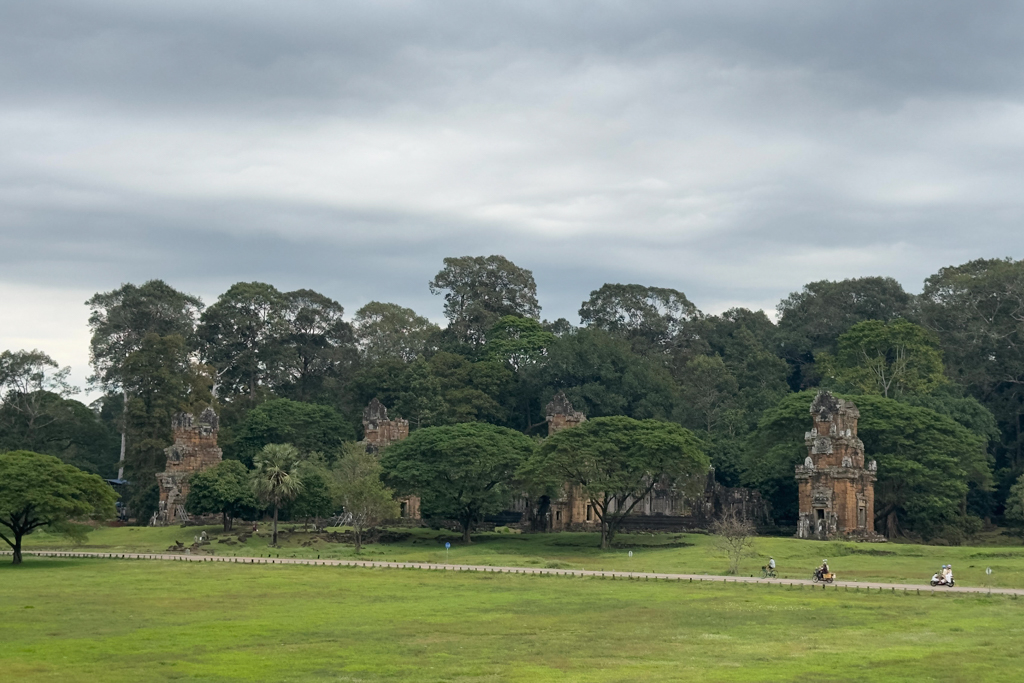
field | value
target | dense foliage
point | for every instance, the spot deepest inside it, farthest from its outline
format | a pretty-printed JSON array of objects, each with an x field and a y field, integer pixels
[{"x": 287, "y": 367}]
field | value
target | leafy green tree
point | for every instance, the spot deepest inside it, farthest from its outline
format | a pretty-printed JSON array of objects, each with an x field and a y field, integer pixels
[
  {"x": 445, "y": 388},
  {"x": 225, "y": 489},
  {"x": 708, "y": 390},
  {"x": 927, "y": 463},
  {"x": 27, "y": 380},
  {"x": 319, "y": 347},
  {"x": 389, "y": 331},
  {"x": 120, "y": 321},
  {"x": 460, "y": 472},
  {"x": 243, "y": 337},
  {"x": 518, "y": 342},
  {"x": 39, "y": 490},
  {"x": 72, "y": 432},
  {"x": 603, "y": 376},
  {"x": 316, "y": 499},
  {"x": 811, "y": 321},
  {"x": 159, "y": 381},
  {"x": 1015, "y": 503},
  {"x": 362, "y": 493},
  {"x": 276, "y": 479},
  {"x": 308, "y": 426},
  {"x": 616, "y": 462},
  {"x": 891, "y": 359},
  {"x": 652, "y": 318},
  {"x": 975, "y": 309},
  {"x": 479, "y": 291}
]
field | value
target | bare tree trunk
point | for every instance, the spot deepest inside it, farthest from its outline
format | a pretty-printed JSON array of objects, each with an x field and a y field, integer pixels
[
  {"x": 124, "y": 429},
  {"x": 357, "y": 531},
  {"x": 226, "y": 521},
  {"x": 275, "y": 527},
  {"x": 17, "y": 549},
  {"x": 467, "y": 527}
]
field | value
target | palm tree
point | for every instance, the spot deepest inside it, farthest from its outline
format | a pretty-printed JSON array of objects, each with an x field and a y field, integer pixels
[{"x": 276, "y": 477}]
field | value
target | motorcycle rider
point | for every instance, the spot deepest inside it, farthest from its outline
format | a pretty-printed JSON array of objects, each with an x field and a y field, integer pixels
[
  {"x": 823, "y": 569},
  {"x": 948, "y": 575}
]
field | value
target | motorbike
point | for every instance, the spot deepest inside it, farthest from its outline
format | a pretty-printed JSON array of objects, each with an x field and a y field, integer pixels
[
  {"x": 828, "y": 577},
  {"x": 941, "y": 580}
]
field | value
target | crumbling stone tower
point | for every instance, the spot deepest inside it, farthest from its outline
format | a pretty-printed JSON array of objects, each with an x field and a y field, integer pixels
[
  {"x": 195, "y": 449},
  {"x": 379, "y": 432},
  {"x": 837, "y": 490},
  {"x": 572, "y": 508},
  {"x": 560, "y": 414}
]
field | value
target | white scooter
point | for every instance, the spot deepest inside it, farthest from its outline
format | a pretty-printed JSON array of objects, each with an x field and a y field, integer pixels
[{"x": 939, "y": 580}]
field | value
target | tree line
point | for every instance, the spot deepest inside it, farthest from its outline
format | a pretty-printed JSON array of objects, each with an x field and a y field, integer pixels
[{"x": 938, "y": 377}]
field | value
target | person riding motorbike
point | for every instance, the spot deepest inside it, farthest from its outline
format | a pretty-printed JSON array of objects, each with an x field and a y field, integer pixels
[{"x": 822, "y": 570}]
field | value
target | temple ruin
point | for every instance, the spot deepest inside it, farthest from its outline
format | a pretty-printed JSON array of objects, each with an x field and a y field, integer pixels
[
  {"x": 837, "y": 487},
  {"x": 194, "y": 450},
  {"x": 379, "y": 432},
  {"x": 572, "y": 510}
]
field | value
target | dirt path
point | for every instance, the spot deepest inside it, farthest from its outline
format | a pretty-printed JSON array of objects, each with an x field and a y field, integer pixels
[{"x": 860, "y": 585}]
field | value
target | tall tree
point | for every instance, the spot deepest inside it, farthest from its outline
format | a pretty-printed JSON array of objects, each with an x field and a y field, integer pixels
[
  {"x": 242, "y": 337},
  {"x": 320, "y": 346},
  {"x": 119, "y": 322},
  {"x": 977, "y": 310},
  {"x": 389, "y": 331},
  {"x": 160, "y": 380},
  {"x": 652, "y": 318},
  {"x": 810, "y": 321},
  {"x": 39, "y": 490},
  {"x": 28, "y": 380},
  {"x": 276, "y": 479},
  {"x": 892, "y": 359},
  {"x": 460, "y": 472},
  {"x": 708, "y": 391},
  {"x": 479, "y": 290},
  {"x": 616, "y": 462}
]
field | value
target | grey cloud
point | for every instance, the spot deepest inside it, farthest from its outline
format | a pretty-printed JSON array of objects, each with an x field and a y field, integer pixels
[{"x": 733, "y": 150}]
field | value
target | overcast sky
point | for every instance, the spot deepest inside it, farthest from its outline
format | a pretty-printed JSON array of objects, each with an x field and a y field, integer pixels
[{"x": 732, "y": 150}]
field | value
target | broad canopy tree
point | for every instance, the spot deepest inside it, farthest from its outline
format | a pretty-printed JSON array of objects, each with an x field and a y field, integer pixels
[
  {"x": 461, "y": 472},
  {"x": 39, "y": 490},
  {"x": 479, "y": 290},
  {"x": 652, "y": 318},
  {"x": 225, "y": 489},
  {"x": 616, "y": 462}
]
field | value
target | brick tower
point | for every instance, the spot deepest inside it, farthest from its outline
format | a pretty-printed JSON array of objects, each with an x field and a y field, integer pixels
[
  {"x": 572, "y": 509},
  {"x": 379, "y": 432},
  {"x": 195, "y": 449},
  {"x": 837, "y": 488}
]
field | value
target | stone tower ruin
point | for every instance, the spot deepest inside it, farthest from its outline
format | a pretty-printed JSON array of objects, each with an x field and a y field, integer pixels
[
  {"x": 379, "y": 432},
  {"x": 195, "y": 449},
  {"x": 572, "y": 509},
  {"x": 837, "y": 487}
]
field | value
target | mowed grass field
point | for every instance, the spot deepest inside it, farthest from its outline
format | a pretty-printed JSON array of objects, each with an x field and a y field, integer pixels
[
  {"x": 122, "y": 620},
  {"x": 679, "y": 553}
]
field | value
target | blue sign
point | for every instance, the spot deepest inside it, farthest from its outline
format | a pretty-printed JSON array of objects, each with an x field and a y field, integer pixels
[{"x": 447, "y": 545}]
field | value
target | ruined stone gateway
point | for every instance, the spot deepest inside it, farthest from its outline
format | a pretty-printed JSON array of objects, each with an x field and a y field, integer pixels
[
  {"x": 194, "y": 449},
  {"x": 837, "y": 488}
]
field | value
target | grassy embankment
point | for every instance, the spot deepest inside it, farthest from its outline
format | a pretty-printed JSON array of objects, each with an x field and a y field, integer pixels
[
  {"x": 113, "y": 620},
  {"x": 682, "y": 553}
]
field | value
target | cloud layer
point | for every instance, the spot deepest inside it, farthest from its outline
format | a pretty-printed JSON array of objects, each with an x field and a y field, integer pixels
[{"x": 733, "y": 150}]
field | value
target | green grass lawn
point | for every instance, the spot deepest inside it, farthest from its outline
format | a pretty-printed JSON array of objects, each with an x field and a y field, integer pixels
[
  {"x": 682, "y": 553},
  {"x": 122, "y": 620}
]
